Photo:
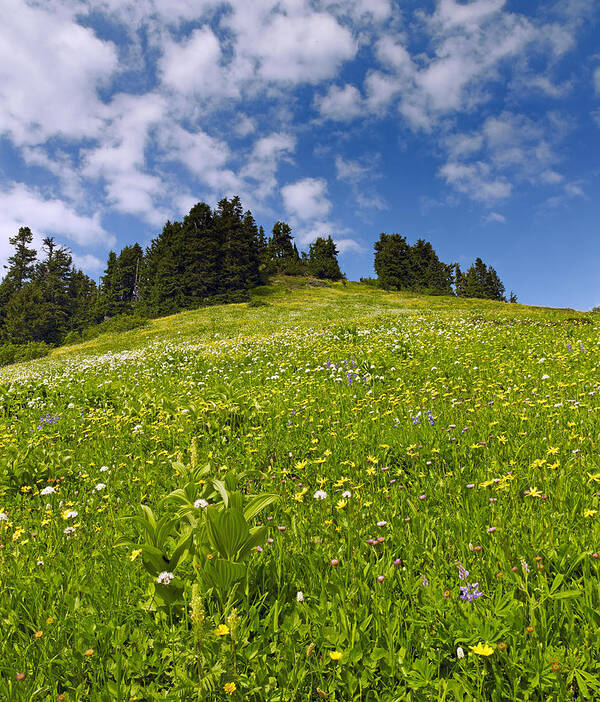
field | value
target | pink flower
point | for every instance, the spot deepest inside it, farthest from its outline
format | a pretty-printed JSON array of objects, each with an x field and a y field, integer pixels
[
  {"x": 380, "y": 578},
  {"x": 334, "y": 561}
]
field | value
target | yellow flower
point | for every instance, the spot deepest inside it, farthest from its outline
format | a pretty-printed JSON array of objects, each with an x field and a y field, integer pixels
[
  {"x": 589, "y": 512},
  {"x": 135, "y": 554},
  {"x": 341, "y": 504},
  {"x": 482, "y": 649},
  {"x": 335, "y": 655},
  {"x": 38, "y": 634},
  {"x": 50, "y": 620},
  {"x": 222, "y": 630},
  {"x": 229, "y": 688}
]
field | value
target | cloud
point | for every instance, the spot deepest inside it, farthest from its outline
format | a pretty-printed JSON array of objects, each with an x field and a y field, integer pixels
[
  {"x": 340, "y": 104},
  {"x": 476, "y": 181},
  {"x": 306, "y": 199},
  {"x": 350, "y": 171},
  {"x": 21, "y": 206},
  {"x": 263, "y": 162},
  {"x": 51, "y": 69},
  {"x": 194, "y": 66},
  {"x": 88, "y": 262},
  {"x": 495, "y": 217},
  {"x": 597, "y": 80},
  {"x": 347, "y": 245}
]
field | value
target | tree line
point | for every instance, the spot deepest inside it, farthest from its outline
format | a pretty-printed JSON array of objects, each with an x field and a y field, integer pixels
[
  {"x": 212, "y": 256},
  {"x": 400, "y": 266}
]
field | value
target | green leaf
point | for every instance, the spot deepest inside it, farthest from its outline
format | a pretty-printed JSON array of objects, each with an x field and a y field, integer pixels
[
  {"x": 228, "y": 529},
  {"x": 257, "y": 503},
  {"x": 221, "y": 489}
]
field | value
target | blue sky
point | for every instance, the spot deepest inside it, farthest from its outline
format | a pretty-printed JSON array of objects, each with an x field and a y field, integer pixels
[{"x": 475, "y": 125}]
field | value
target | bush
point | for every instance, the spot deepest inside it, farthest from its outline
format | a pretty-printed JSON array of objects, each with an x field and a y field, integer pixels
[
  {"x": 118, "y": 324},
  {"x": 72, "y": 337},
  {"x": 257, "y": 302},
  {"x": 17, "y": 353}
]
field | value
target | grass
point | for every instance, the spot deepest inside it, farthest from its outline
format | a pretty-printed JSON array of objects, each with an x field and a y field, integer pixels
[{"x": 442, "y": 435}]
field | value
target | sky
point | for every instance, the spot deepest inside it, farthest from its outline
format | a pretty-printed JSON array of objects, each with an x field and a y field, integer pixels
[{"x": 474, "y": 125}]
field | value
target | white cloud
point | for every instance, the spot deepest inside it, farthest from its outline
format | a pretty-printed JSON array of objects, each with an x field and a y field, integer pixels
[
  {"x": 340, "y": 104},
  {"x": 194, "y": 66},
  {"x": 495, "y": 217},
  {"x": 21, "y": 206},
  {"x": 346, "y": 245},
  {"x": 350, "y": 171},
  {"x": 597, "y": 80},
  {"x": 306, "y": 199},
  {"x": 50, "y": 71},
  {"x": 88, "y": 263},
  {"x": 263, "y": 162},
  {"x": 476, "y": 181}
]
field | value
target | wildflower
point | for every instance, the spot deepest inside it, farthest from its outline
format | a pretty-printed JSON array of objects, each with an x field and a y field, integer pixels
[
  {"x": 524, "y": 566},
  {"x": 310, "y": 649},
  {"x": 462, "y": 573},
  {"x": 320, "y": 495},
  {"x": 229, "y": 688},
  {"x": 347, "y": 494},
  {"x": 482, "y": 649},
  {"x": 50, "y": 620},
  {"x": 103, "y": 469},
  {"x": 20, "y": 676},
  {"x": 222, "y": 630},
  {"x": 501, "y": 646},
  {"x": 530, "y": 629},
  {"x": 555, "y": 667},
  {"x": 470, "y": 592},
  {"x": 335, "y": 655},
  {"x": 48, "y": 490},
  {"x": 134, "y": 554},
  {"x": 380, "y": 578},
  {"x": 3, "y": 517},
  {"x": 201, "y": 504},
  {"x": 165, "y": 578},
  {"x": 460, "y": 653},
  {"x": 69, "y": 530},
  {"x": 299, "y": 596},
  {"x": 334, "y": 562},
  {"x": 38, "y": 634},
  {"x": 425, "y": 582},
  {"x": 447, "y": 594},
  {"x": 381, "y": 524},
  {"x": 72, "y": 514},
  {"x": 99, "y": 487},
  {"x": 491, "y": 530},
  {"x": 89, "y": 652}
]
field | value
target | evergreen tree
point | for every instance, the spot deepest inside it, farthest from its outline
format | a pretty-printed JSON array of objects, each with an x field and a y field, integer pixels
[
  {"x": 24, "y": 319},
  {"x": 126, "y": 277},
  {"x": 322, "y": 260},
  {"x": 201, "y": 264},
  {"x": 427, "y": 272},
  {"x": 21, "y": 264},
  {"x": 107, "y": 303},
  {"x": 392, "y": 262},
  {"x": 480, "y": 282},
  {"x": 238, "y": 234},
  {"x": 53, "y": 275},
  {"x": 82, "y": 294}
]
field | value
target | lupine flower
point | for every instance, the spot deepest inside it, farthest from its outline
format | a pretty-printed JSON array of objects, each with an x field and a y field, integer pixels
[{"x": 470, "y": 592}]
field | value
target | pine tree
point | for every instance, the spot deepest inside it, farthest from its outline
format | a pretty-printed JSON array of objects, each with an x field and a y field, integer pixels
[
  {"x": 238, "y": 234},
  {"x": 21, "y": 264},
  {"x": 392, "y": 262},
  {"x": 427, "y": 272},
  {"x": 480, "y": 282},
  {"x": 107, "y": 303},
  {"x": 201, "y": 265},
  {"x": 322, "y": 260}
]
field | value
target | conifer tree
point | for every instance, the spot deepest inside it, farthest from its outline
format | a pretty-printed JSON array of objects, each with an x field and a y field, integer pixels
[
  {"x": 392, "y": 262},
  {"x": 322, "y": 260},
  {"x": 202, "y": 257}
]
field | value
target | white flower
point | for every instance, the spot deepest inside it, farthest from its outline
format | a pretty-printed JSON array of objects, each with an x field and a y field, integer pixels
[
  {"x": 103, "y": 469},
  {"x": 320, "y": 495},
  {"x": 200, "y": 504},
  {"x": 381, "y": 523},
  {"x": 69, "y": 530},
  {"x": 300, "y": 596},
  {"x": 49, "y": 490},
  {"x": 71, "y": 405},
  {"x": 545, "y": 376},
  {"x": 347, "y": 494},
  {"x": 165, "y": 578},
  {"x": 100, "y": 486},
  {"x": 71, "y": 515},
  {"x": 3, "y": 517},
  {"x": 460, "y": 653},
  {"x": 39, "y": 563}
]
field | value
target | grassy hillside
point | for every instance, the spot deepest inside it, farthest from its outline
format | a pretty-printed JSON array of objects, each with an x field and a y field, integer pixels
[{"x": 345, "y": 489}]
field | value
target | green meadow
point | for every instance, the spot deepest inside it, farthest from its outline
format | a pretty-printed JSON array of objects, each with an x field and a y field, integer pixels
[{"x": 331, "y": 492}]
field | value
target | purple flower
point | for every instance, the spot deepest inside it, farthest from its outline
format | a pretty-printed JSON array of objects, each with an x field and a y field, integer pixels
[
  {"x": 462, "y": 573},
  {"x": 470, "y": 592}
]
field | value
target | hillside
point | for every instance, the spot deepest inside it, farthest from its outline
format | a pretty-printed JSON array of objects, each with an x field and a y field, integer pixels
[{"x": 346, "y": 490}]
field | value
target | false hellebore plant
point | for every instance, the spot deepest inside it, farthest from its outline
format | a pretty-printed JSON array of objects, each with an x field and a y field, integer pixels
[{"x": 208, "y": 521}]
